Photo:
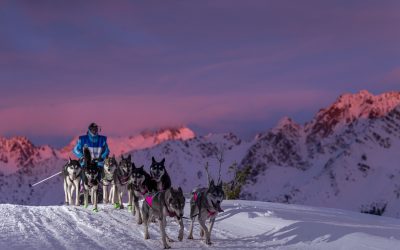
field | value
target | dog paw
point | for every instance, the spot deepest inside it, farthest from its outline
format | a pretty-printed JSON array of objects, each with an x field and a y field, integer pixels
[
  {"x": 180, "y": 237},
  {"x": 190, "y": 237},
  {"x": 140, "y": 222},
  {"x": 95, "y": 210},
  {"x": 167, "y": 247},
  {"x": 146, "y": 237},
  {"x": 117, "y": 205},
  {"x": 85, "y": 206},
  {"x": 130, "y": 208}
]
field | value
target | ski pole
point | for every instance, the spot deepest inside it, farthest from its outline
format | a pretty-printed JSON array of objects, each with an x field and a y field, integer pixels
[{"x": 32, "y": 185}]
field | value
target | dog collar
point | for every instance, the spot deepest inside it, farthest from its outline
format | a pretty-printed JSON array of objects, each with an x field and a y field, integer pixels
[
  {"x": 170, "y": 214},
  {"x": 124, "y": 180},
  {"x": 211, "y": 213}
]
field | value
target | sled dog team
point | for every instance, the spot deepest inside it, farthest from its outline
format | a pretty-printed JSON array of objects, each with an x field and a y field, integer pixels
[{"x": 160, "y": 199}]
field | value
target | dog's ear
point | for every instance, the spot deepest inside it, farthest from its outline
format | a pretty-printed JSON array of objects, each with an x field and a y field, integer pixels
[
  {"x": 133, "y": 165},
  {"x": 69, "y": 160},
  {"x": 219, "y": 183},
  {"x": 122, "y": 156},
  {"x": 180, "y": 190},
  {"x": 153, "y": 160},
  {"x": 212, "y": 184},
  {"x": 163, "y": 161},
  {"x": 129, "y": 158},
  {"x": 142, "y": 167}
]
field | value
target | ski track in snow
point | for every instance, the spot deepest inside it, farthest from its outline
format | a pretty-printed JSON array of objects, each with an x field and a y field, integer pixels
[{"x": 243, "y": 225}]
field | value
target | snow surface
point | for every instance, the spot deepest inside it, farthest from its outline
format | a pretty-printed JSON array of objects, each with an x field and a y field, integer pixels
[{"x": 243, "y": 225}]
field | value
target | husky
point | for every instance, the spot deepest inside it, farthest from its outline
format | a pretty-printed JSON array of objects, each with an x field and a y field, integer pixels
[
  {"x": 108, "y": 179},
  {"x": 72, "y": 178},
  {"x": 140, "y": 184},
  {"x": 91, "y": 173},
  {"x": 205, "y": 203},
  {"x": 159, "y": 174},
  {"x": 162, "y": 204},
  {"x": 123, "y": 174}
]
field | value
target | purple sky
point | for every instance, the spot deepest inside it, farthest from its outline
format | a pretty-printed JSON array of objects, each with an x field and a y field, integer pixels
[{"x": 216, "y": 66}]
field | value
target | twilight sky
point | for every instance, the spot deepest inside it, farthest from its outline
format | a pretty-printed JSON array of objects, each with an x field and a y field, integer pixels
[{"x": 215, "y": 66}]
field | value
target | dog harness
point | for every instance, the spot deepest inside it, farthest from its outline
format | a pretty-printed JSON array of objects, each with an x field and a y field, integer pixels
[
  {"x": 124, "y": 179},
  {"x": 196, "y": 196},
  {"x": 137, "y": 189},
  {"x": 107, "y": 178},
  {"x": 150, "y": 198},
  {"x": 92, "y": 183}
]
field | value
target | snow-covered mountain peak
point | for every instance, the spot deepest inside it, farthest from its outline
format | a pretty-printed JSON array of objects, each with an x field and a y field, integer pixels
[
  {"x": 180, "y": 133},
  {"x": 288, "y": 125},
  {"x": 19, "y": 151},
  {"x": 350, "y": 107}
]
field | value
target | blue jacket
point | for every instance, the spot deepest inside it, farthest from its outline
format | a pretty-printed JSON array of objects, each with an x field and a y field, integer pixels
[{"x": 97, "y": 145}]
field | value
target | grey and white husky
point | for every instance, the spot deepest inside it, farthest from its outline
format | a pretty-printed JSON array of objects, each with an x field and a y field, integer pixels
[
  {"x": 108, "y": 179},
  {"x": 72, "y": 178},
  {"x": 123, "y": 175},
  {"x": 159, "y": 174},
  {"x": 205, "y": 203},
  {"x": 162, "y": 204},
  {"x": 140, "y": 184}
]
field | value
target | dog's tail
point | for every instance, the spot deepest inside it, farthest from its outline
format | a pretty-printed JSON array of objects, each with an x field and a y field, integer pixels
[{"x": 87, "y": 156}]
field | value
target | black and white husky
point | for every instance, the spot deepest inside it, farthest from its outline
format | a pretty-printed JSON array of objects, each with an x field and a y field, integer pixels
[
  {"x": 140, "y": 184},
  {"x": 159, "y": 174},
  {"x": 205, "y": 203},
  {"x": 91, "y": 173},
  {"x": 163, "y": 204},
  {"x": 72, "y": 178},
  {"x": 108, "y": 179},
  {"x": 123, "y": 175}
]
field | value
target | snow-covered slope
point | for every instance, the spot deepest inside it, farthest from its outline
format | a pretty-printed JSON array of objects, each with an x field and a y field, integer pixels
[
  {"x": 185, "y": 160},
  {"x": 243, "y": 225},
  {"x": 346, "y": 157}
]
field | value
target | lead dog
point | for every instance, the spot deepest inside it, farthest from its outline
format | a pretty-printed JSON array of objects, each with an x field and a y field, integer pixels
[
  {"x": 205, "y": 203},
  {"x": 140, "y": 184},
  {"x": 162, "y": 204},
  {"x": 72, "y": 178},
  {"x": 108, "y": 179}
]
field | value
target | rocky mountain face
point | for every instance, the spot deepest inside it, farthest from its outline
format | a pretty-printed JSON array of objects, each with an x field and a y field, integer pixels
[{"x": 347, "y": 156}]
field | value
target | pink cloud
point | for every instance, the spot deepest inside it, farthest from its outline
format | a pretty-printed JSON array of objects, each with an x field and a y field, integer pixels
[{"x": 126, "y": 115}]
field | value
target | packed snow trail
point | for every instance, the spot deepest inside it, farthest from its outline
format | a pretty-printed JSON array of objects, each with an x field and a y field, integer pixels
[{"x": 243, "y": 225}]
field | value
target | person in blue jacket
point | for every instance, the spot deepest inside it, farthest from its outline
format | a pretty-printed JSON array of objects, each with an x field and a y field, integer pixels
[{"x": 97, "y": 145}]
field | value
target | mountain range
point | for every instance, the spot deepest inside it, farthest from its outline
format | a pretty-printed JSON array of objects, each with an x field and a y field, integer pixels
[{"x": 346, "y": 157}]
